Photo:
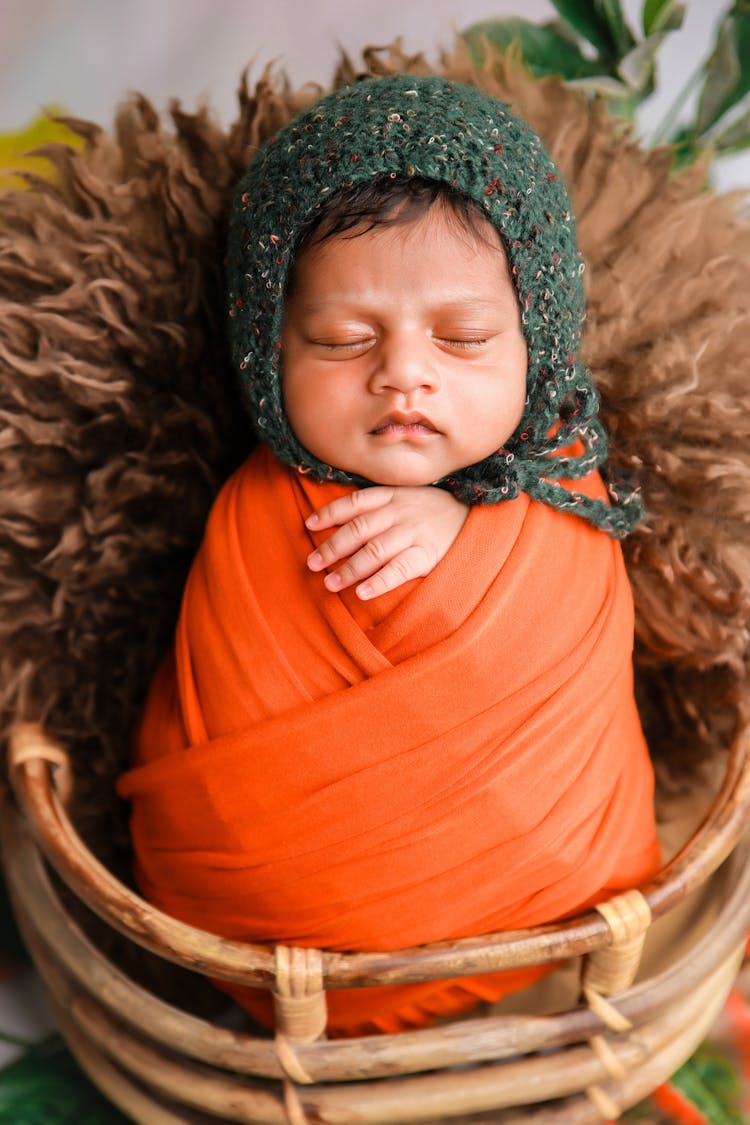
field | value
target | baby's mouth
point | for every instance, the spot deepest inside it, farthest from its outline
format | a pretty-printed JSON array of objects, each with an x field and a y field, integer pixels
[{"x": 404, "y": 426}]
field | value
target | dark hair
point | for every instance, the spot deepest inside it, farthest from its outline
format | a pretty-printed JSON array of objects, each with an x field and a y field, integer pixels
[{"x": 387, "y": 201}]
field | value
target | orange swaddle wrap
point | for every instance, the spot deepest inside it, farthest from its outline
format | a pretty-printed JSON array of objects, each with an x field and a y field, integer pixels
[{"x": 460, "y": 756}]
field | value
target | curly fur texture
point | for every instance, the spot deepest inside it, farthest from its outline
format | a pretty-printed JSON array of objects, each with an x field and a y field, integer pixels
[{"x": 118, "y": 420}]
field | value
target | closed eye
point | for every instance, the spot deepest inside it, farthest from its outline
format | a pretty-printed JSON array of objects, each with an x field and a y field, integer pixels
[
  {"x": 462, "y": 345},
  {"x": 345, "y": 347}
]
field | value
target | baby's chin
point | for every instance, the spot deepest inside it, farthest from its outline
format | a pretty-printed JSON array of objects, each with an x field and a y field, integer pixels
[
  {"x": 396, "y": 479},
  {"x": 406, "y": 470}
]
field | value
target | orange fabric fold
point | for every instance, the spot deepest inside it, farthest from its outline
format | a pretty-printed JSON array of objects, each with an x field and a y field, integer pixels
[{"x": 458, "y": 757}]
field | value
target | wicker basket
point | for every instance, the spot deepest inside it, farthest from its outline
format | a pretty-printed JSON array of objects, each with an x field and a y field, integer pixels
[
  {"x": 133, "y": 278},
  {"x": 585, "y": 1064}
]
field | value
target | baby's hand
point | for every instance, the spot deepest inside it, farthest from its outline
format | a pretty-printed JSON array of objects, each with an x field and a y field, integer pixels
[{"x": 386, "y": 535}]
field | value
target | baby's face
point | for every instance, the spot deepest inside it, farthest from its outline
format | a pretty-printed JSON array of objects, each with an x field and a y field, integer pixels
[{"x": 403, "y": 355}]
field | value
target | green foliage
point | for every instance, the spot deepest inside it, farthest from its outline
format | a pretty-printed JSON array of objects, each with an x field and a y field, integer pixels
[
  {"x": 593, "y": 22},
  {"x": 661, "y": 15},
  {"x": 710, "y": 1082},
  {"x": 592, "y": 46},
  {"x": 46, "y": 1087},
  {"x": 724, "y": 108},
  {"x": 546, "y": 48}
]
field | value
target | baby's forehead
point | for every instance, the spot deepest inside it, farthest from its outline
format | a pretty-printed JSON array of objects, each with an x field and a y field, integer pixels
[{"x": 428, "y": 265}]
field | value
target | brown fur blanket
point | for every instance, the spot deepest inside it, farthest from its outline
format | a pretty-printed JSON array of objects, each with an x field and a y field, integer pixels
[{"x": 118, "y": 419}]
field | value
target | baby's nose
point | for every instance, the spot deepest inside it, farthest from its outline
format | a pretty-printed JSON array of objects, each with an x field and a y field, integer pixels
[{"x": 407, "y": 363}]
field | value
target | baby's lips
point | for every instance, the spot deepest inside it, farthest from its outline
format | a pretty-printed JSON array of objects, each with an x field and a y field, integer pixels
[{"x": 401, "y": 418}]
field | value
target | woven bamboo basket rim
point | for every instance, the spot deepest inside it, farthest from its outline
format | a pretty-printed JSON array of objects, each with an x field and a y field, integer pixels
[
  {"x": 499, "y": 1084},
  {"x": 248, "y": 963},
  {"x": 123, "y": 1091},
  {"x": 577, "y": 1110},
  {"x": 493, "y": 1086},
  {"x": 44, "y": 920}
]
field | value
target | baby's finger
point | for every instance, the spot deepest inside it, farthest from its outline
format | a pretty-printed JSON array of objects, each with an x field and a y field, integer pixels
[
  {"x": 347, "y": 507},
  {"x": 352, "y": 536},
  {"x": 369, "y": 559},
  {"x": 411, "y": 563}
]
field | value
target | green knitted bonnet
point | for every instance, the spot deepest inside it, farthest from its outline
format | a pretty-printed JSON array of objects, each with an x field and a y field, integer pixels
[{"x": 453, "y": 134}]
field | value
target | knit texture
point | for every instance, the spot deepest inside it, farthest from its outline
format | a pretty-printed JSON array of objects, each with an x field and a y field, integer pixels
[{"x": 453, "y": 134}]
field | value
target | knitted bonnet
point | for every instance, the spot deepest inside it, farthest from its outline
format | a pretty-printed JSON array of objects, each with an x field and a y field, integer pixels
[{"x": 441, "y": 131}]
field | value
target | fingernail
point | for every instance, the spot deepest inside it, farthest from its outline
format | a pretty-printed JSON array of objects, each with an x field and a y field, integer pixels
[
  {"x": 332, "y": 581},
  {"x": 313, "y": 520},
  {"x": 364, "y": 592},
  {"x": 315, "y": 561}
]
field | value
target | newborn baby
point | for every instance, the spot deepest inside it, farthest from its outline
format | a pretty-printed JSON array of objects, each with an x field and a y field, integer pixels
[{"x": 399, "y": 706}]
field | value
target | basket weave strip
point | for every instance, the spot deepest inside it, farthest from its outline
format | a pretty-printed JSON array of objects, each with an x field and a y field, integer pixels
[
  {"x": 610, "y": 1016},
  {"x": 613, "y": 969},
  {"x": 298, "y": 996},
  {"x": 289, "y": 1062},
  {"x": 628, "y": 916},
  {"x": 607, "y": 1057},
  {"x": 603, "y": 1103},
  {"x": 295, "y": 1111},
  {"x": 614, "y": 1067},
  {"x": 293, "y": 1075},
  {"x": 300, "y": 1013},
  {"x": 28, "y": 743}
]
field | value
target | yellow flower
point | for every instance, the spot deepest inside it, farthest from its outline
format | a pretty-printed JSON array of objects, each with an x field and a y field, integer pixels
[{"x": 17, "y": 149}]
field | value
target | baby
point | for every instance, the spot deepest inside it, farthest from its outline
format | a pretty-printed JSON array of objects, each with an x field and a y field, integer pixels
[{"x": 397, "y": 751}]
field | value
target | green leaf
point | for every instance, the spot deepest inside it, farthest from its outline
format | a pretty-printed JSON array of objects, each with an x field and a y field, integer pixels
[
  {"x": 543, "y": 48},
  {"x": 728, "y": 68},
  {"x": 698, "y": 1083},
  {"x": 722, "y": 75},
  {"x": 637, "y": 67},
  {"x": 622, "y": 37},
  {"x": 662, "y": 15},
  {"x": 605, "y": 87},
  {"x": 46, "y": 1087},
  {"x": 586, "y": 18},
  {"x": 565, "y": 31},
  {"x": 685, "y": 147},
  {"x": 733, "y": 131}
]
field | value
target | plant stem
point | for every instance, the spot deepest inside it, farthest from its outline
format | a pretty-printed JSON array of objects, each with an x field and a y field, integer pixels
[{"x": 666, "y": 125}]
